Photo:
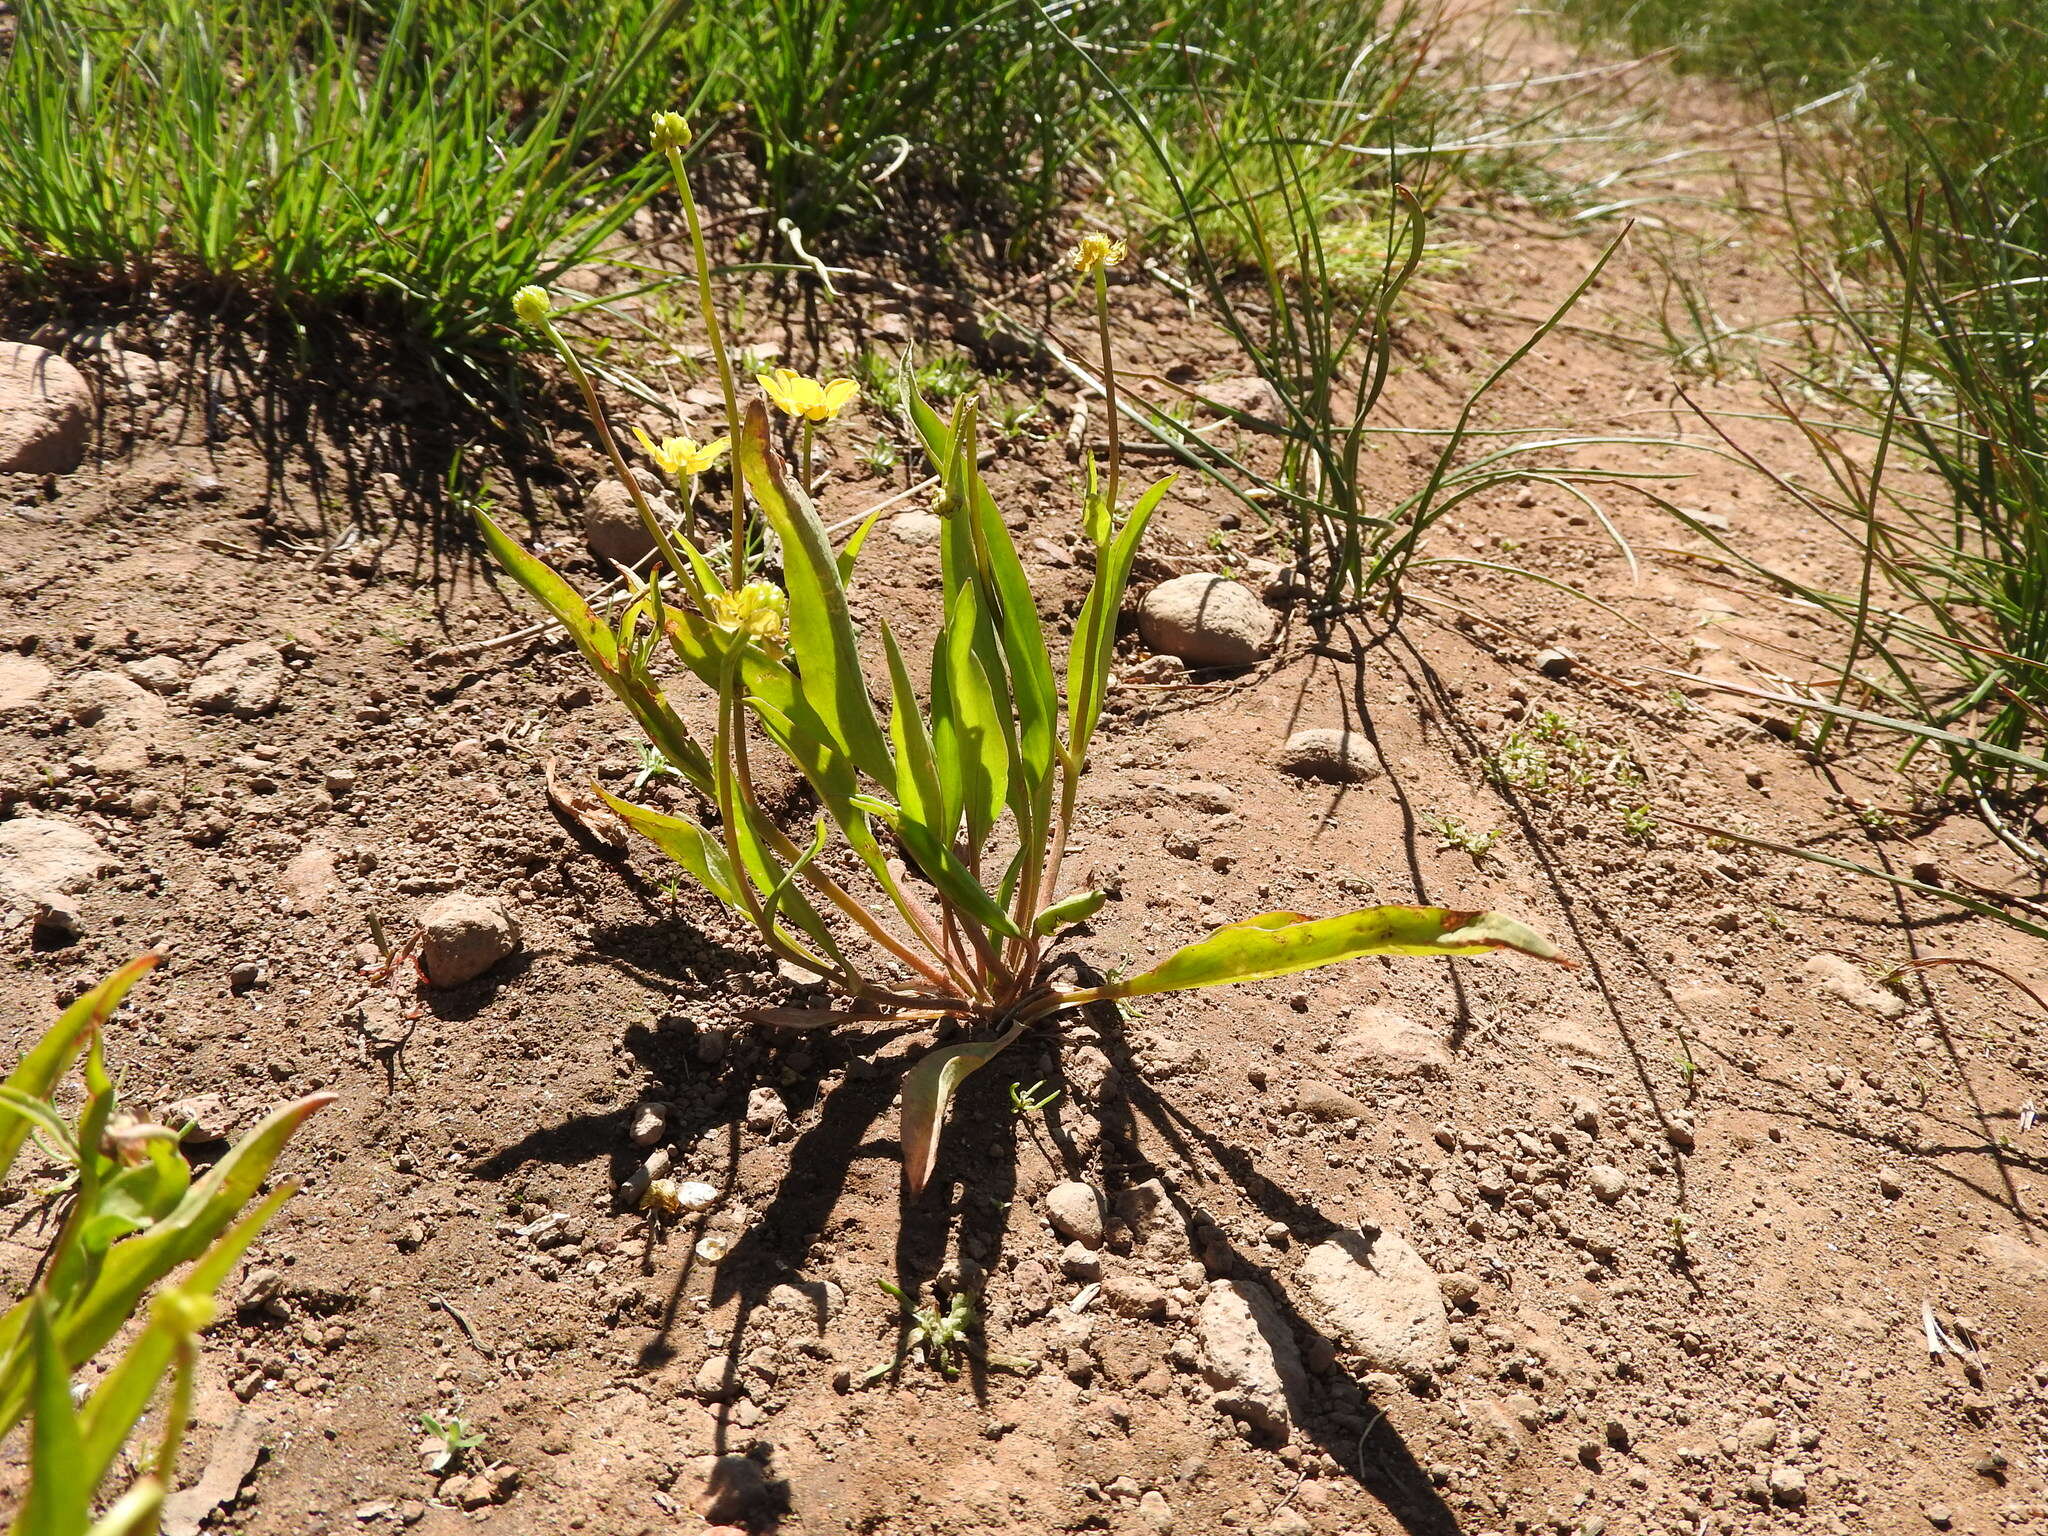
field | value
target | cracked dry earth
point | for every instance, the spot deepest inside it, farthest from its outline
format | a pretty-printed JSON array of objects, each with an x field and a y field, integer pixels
[{"x": 1648, "y": 1245}]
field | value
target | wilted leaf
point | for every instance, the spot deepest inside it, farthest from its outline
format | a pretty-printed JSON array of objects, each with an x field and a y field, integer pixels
[
  {"x": 583, "y": 809},
  {"x": 929, "y": 1089}
]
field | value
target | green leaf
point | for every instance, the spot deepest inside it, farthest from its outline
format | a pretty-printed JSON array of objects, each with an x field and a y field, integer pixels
[
  {"x": 58, "y": 1048},
  {"x": 123, "y": 1394},
  {"x": 627, "y": 680},
  {"x": 1077, "y": 908},
  {"x": 943, "y": 868},
  {"x": 1277, "y": 943},
  {"x": 820, "y": 628},
  {"x": 135, "y": 1513},
  {"x": 685, "y": 842},
  {"x": 1094, "y": 639},
  {"x": 969, "y": 731},
  {"x": 849, "y": 552},
  {"x": 59, "y": 1498},
  {"x": 929, "y": 1089},
  {"x": 918, "y": 789},
  {"x": 93, "y": 1317}
]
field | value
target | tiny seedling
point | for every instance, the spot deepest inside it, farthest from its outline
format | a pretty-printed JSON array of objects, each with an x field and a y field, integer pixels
[
  {"x": 943, "y": 1339},
  {"x": 1453, "y": 833},
  {"x": 652, "y": 764},
  {"x": 457, "y": 1439},
  {"x": 1688, "y": 1070},
  {"x": 1029, "y": 1101}
]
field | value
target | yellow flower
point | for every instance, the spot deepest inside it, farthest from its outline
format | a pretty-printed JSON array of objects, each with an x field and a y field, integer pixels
[
  {"x": 670, "y": 132},
  {"x": 531, "y": 305},
  {"x": 680, "y": 456},
  {"x": 1099, "y": 251},
  {"x": 790, "y": 391},
  {"x": 760, "y": 609}
]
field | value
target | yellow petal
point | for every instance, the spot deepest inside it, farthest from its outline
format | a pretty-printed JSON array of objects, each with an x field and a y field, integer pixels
[{"x": 839, "y": 394}]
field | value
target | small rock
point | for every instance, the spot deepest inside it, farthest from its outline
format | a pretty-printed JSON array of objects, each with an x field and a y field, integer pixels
[
  {"x": 45, "y": 412},
  {"x": 159, "y": 674},
  {"x": 1381, "y": 1298},
  {"x": 242, "y": 680},
  {"x": 1889, "y": 1184},
  {"x": 1940, "y": 1516},
  {"x": 612, "y": 526},
  {"x": 57, "y": 919},
  {"x": 309, "y": 880},
  {"x": 1289, "y": 1522},
  {"x": 650, "y": 1123},
  {"x": 765, "y": 1110},
  {"x": 1249, "y": 1357},
  {"x": 1759, "y": 1434},
  {"x": 339, "y": 781},
  {"x": 1075, "y": 1211},
  {"x": 1250, "y": 396},
  {"x": 1460, "y": 1288},
  {"x": 1556, "y": 662},
  {"x": 1788, "y": 1487},
  {"x": 1607, "y": 1181},
  {"x": 1156, "y": 1511},
  {"x": 917, "y": 529},
  {"x": 1206, "y": 620},
  {"x": 735, "y": 1492},
  {"x": 1324, "y": 752},
  {"x": 42, "y": 859},
  {"x": 125, "y": 717},
  {"x": 1839, "y": 977},
  {"x": 1080, "y": 1262},
  {"x": 1321, "y": 1101},
  {"x": 22, "y": 681},
  {"x": 1133, "y": 1296},
  {"x": 715, "y": 1381},
  {"x": 1388, "y": 1044},
  {"x": 465, "y": 936}
]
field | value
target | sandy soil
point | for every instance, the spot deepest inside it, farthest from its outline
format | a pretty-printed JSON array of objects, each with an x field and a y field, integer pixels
[{"x": 1672, "y": 1219}]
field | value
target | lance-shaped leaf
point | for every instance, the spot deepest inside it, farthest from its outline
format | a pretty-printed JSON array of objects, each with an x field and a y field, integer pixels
[
  {"x": 600, "y": 647},
  {"x": 687, "y": 843},
  {"x": 136, "y": 1513},
  {"x": 59, "y": 1496},
  {"x": 820, "y": 628},
  {"x": 929, "y": 1089},
  {"x": 943, "y": 868},
  {"x": 1095, "y": 631},
  {"x": 59, "y": 1047},
  {"x": 1277, "y": 943},
  {"x": 132, "y": 1267},
  {"x": 124, "y": 1392}
]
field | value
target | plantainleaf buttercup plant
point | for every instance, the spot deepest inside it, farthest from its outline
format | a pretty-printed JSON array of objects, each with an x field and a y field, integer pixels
[{"x": 947, "y": 812}]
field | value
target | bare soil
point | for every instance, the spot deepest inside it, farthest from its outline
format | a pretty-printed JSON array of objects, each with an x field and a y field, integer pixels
[{"x": 1800, "y": 1162}]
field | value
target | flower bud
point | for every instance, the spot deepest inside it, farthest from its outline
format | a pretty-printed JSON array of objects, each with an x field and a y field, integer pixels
[
  {"x": 531, "y": 305},
  {"x": 670, "y": 132}
]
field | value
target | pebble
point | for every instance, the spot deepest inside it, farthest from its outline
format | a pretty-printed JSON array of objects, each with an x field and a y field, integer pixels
[
  {"x": 57, "y": 919},
  {"x": 1080, "y": 1262},
  {"x": 338, "y": 781},
  {"x": 1249, "y": 1357},
  {"x": 1607, "y": 1181},
  {"x": 1889, "y": 1184},
  {"x": 917, "y": 529},
  {"x": 43, "y": 860},
  {"x": 1555, "y": 662},
  {"x": 241, "y": 680},
  {"x": 1157, "y": 1512},
  {"x": 1133, "y": 1296},
  {"x": 650, "y": 1123},
  {"x": 465, "y": 936},
  {"x": 1381, "y": 1298},
  {"x": 765, "y": 1110},
  {"x": 45, "y": 412},
  {"x": 1207, "y": 620},
  {"x": 1325, "y": 752},
  {"x": 1323, "y": 1101},
  {"x": 1075, "y": 1210},
  {"x": 159, "y": 674},
  {"x": 1384, "y": 1043},
  {"x": 1788, "y": 1486},
  {"x": 612, "y": 526}
]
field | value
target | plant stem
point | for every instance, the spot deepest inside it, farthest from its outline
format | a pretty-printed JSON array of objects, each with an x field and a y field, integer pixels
[
  {"x": 1116, "y": 446},
  {"x": 709, "y": 307}
]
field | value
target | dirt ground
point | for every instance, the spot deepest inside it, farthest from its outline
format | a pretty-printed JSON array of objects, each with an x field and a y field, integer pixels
[{"x": 1684, "y": 1210}]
